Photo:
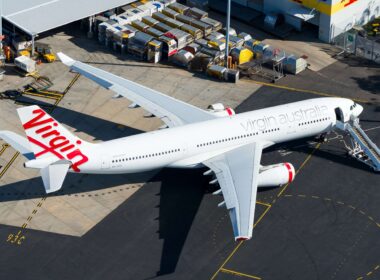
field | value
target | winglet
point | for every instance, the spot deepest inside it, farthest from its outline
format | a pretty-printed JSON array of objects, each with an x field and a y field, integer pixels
[{"x": 66, "y": 59}]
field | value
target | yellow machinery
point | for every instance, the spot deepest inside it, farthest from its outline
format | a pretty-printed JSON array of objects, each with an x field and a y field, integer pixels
[{"x": 45, "y": 51}]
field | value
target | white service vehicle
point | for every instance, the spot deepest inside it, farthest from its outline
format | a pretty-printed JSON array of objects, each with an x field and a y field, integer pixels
[{"x": 229, "y": 145}]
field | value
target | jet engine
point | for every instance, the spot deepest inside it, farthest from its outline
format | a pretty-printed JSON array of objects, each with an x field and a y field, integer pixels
[
  {"x": 276, "y": 175},
  {"x": 221, "y": 111}
]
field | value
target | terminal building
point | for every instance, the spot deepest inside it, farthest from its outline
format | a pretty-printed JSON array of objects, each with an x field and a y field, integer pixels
[{"x": 332, "y": 17}]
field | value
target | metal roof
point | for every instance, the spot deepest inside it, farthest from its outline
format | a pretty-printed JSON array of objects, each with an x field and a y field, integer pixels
[{"x": 36, "y": 16}]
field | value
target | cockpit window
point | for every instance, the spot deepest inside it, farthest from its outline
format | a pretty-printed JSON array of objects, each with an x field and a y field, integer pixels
[{"x": 353, "y": 106}]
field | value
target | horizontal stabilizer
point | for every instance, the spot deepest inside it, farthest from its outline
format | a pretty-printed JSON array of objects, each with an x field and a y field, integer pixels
[
  {"x": 54, "y": 174},
  {"x": 19, "y": 143}
]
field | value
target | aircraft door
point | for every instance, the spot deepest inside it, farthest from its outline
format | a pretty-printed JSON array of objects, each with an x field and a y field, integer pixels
[
  {"x": 339, "y": 114},
  {"x": 105, "y": 163}
]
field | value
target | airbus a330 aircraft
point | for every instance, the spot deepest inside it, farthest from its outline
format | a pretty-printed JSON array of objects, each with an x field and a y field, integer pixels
[{"x": 229, "y": 145}]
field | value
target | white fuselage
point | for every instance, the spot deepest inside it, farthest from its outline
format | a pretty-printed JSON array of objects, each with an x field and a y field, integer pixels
[{"x": 188, "y": 146}]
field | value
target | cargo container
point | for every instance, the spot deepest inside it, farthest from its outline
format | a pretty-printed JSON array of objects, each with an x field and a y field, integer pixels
[
  {"x": 250, "y": 44},
  {"x": 259, "y": 49},
  {"x": 25, "y": 63},
  {"x": 138, "y": 45},
  {"x": 294, "y": 64},
  {"x": 167, "y": 3},
  {"x": 202, "y": 42},
  {"x": 150, "y": 21},
  {"x": 215, "y": 36},
  {"x": 182, "y": 9},
  {"x": 217, "y": 44},
  {"x": 217, "y": 55},
  {"x": 193, "y": 48},
  {"x": 154, "y": 32},
  {"x": 170, "y": 13},
  {"x": 174, "y": 23},
  {"x": 245, "y": 36},
  {"x": 163, "y": 27},
  {"x": 182, "y": 58},
  {"x": 155, "y": 6},
  {"x": 124, "y": 8},
  {"x": 182, "y": 38},
  {"x": 154, "y": 51},
  {"x": 204, "y": 27},
  {"x": 140, "y": 12},
  {"x": 140, "y": 25},
  {"x": 216, "y": 71},
  {"x": 216, "y": 25},
  {"x": 20, "y": 43},
  {"x": 169, "y": 46},
  {"x": 197, "y": 13},
  {"x": 185, "y": 19},
  {"x": 241, "y": 55},
  {"x": 160, "y": 17},
  {"x": 235, "y": 42},
  {"x": 126, "y": 18},
  {"x": 232, "y": 31},
  {"x": 200, "y": 62},
  {"x": 195, "y": 32},
  {"x": 232, "y": 75}
]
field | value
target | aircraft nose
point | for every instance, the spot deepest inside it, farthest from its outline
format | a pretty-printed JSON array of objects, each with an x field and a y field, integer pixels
[{"x": 358, "y": 110}]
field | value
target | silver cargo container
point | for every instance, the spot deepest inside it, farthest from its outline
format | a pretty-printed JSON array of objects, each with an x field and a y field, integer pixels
[
  {"x": 154, "y": 32},
  {"x": 195, "y": 32},
  {"x": 182, "y": 38},
  {"x": 174, "y": 23},
  {"x": 216, "y": 25},
  {"x": 140, "y": 25},
  {"x": 160, "y": 17},
  {"x": 163, "y": 27},
  {"x": 150, "y": 21},
  {"x": 182, "y": 9},
  {"x": 169, "y": 46},
  {"x": 138, "y": 45},
  {"x": 197, "y": 13},
  {"x": 170, "y": 13},
  {"x": 182, "y": 58}
]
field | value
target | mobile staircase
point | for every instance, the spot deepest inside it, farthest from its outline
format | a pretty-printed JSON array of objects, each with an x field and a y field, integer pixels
[{"x": 362, "y": 148}]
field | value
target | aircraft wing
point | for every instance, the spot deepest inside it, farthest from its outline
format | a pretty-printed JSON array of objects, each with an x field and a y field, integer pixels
[
  {"x": 237, "y": 173},
  {"x": 171, "y": 111}
]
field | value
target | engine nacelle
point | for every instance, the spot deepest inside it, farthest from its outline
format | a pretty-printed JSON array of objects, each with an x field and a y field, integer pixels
[
  {"x": 221, "y": 111},
  {"x": 276, "y": 175}
]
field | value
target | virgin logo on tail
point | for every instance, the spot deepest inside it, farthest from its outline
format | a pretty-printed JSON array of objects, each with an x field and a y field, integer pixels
[{"x": 58, "y": 144}]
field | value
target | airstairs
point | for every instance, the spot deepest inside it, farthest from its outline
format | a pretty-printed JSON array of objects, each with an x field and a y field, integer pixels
[{"x": 362, "y": 148}]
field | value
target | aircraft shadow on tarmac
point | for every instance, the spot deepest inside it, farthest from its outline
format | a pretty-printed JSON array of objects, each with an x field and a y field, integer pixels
[{"x": 99, "y": 128}]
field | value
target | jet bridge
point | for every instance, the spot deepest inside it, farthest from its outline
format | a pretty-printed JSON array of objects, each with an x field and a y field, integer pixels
[{"x": 362, "y": 148}]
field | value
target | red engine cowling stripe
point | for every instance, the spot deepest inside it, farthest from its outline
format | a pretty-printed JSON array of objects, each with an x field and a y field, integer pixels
[
  {"x": 229, "y": 111},
  {"x": 290, "y": 179}
]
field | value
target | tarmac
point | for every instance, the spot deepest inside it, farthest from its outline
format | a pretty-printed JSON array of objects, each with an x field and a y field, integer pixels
[{"x": 166, "y": 224}]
